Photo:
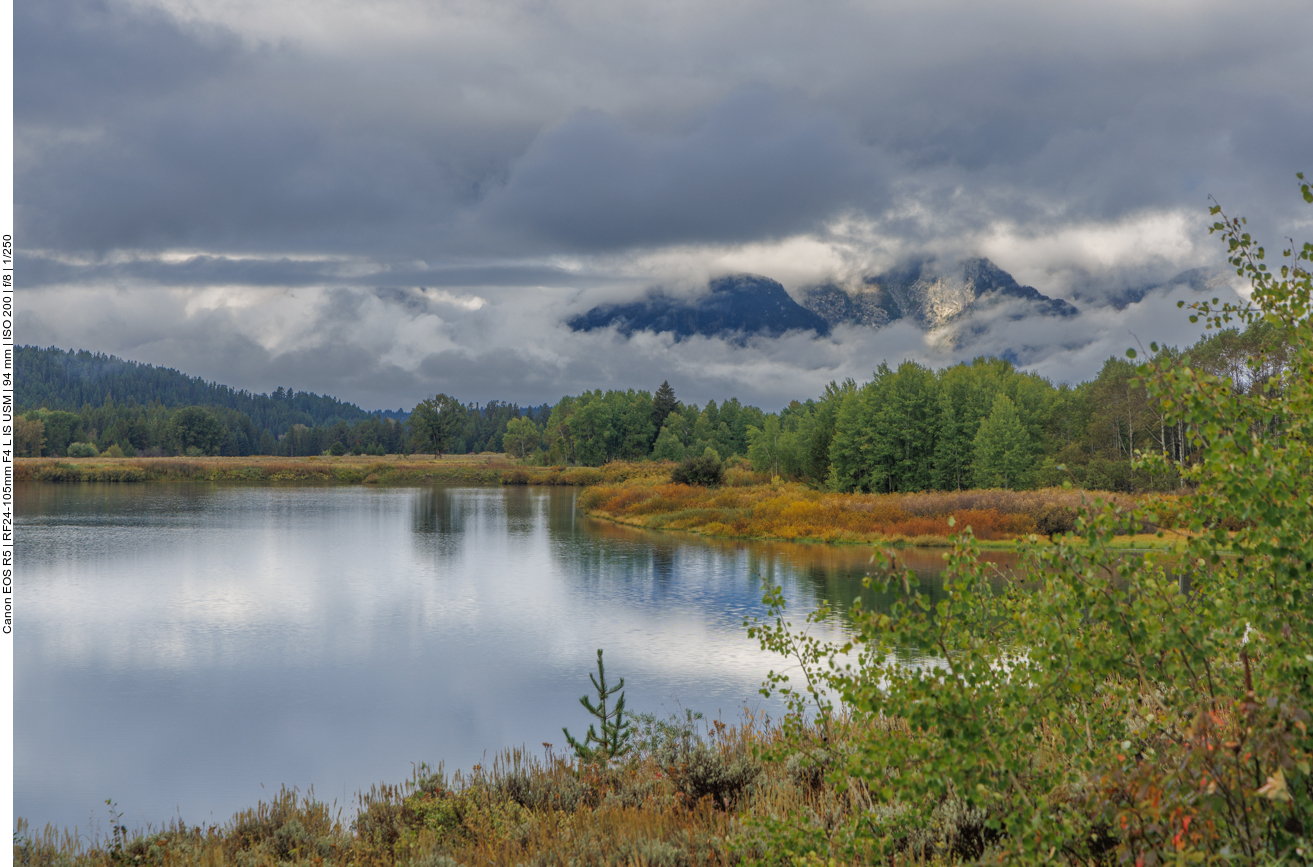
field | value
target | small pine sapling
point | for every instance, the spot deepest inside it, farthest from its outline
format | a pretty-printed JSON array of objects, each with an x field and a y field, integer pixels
[{"x": 614, "y": 741}]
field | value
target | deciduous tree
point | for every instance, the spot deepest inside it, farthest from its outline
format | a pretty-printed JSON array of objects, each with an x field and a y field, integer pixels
[
  {"x": 1002, "y": 449},
  {"x": 435, "y": 422}
]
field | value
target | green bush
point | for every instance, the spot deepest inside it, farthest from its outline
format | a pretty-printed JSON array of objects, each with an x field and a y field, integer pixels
[
  {"x": 706, "y": 471},
  {"x": 723, "y": 775},
  {"x": 82, "y": 450}
]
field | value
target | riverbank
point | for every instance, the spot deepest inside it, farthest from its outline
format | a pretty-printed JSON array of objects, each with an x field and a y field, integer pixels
[
  {"x": 483, "y": 469},
  {"x": 792, "y": 512}
]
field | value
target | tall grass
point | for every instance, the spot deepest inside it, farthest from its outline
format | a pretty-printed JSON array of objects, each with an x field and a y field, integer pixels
[
  {"x": 789, "y": 511},
  {"x": 467, "y": 469},
  {"x": 485, "y": 469}
]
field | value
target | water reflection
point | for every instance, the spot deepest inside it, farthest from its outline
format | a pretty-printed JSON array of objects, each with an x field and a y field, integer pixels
[
  {"x": 181, "y": 645},
  {"x": 833, "y": 573}
]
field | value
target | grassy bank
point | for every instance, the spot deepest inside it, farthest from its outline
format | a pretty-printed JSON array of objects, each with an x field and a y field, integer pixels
[
  {"x": 687, "y": 795},
  {"x": 485, "y": 469},
  {"x": 783, "y": 511}
]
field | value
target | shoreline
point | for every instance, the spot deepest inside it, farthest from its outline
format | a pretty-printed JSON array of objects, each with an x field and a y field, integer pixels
[
  {"x": 639, "y": 495},
  {"x": 482, "y": 469}
]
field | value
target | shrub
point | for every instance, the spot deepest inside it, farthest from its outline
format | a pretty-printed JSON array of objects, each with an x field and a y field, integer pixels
[
  {"x": 82, "y": 450},
  {"x": 720, "y": 774},
  {"x": 706, "y": 471},
  {"x": 336, "y": 450},
  {"x": 1053, "y": 519}
]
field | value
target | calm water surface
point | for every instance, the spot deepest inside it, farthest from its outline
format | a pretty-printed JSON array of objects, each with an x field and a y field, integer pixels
[{"x": 187, "y": 650}]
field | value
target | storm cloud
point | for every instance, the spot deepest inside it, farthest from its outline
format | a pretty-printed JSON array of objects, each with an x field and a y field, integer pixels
[{"x": 382, "y": 200}]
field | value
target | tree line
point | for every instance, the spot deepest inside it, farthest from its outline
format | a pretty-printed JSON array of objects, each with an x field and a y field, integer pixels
[
  {"x": 982, "y": 423},
  {"x": 985, "y": 424}
]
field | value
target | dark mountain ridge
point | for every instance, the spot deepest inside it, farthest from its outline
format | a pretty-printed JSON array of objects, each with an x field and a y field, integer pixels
[{"x": 736, "y": 306}]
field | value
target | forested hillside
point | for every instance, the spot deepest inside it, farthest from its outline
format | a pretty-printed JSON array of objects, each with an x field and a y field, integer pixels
[
  {"x": 87, "y": 401},
  {"x": 55, "y": 379}
]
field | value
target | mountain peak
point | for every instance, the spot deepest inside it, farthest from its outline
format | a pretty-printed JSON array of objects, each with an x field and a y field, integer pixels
[
  {"x": 736, "y": 305},
  {"x": 927, "y": 293}
]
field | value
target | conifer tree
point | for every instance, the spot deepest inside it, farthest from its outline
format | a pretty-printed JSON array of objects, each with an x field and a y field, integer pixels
[
  {"x": 664, "y": 403},
  {"x": 613, "y": 742}
]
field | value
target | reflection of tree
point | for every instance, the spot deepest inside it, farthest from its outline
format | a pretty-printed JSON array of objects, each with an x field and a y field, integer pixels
[
  {"x": 524, "y": 507},
  {"x": 663, "y": 565},
  {"x": 438, "y": 512},
  {"x": 596, "y": 550}
]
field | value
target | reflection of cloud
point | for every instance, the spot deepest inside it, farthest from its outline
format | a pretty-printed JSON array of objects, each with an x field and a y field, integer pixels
[{"x": 328, "y": 577}]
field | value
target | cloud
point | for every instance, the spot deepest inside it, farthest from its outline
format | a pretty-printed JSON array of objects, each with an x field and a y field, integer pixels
[
  {"x": 749, "y": 169},
  {"x": 273, "y": 194},
  {"x": 389, "y": 347}
]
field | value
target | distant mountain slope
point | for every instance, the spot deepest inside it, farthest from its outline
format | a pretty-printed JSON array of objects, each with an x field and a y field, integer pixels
[
  {"x": 739, "y": 305},
  {"x": 1212, "y": 280},
  {"x": 929, "y": 295},
  {"x": 58, "y": 379}
]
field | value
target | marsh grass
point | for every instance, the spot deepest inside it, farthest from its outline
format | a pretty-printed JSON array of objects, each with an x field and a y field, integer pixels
[
  {"x": 484, "y": 469},
  {"x": 691, "y": 793},
  {"x": 785, "y": 511},
  {"x": 345, "y": 470}
]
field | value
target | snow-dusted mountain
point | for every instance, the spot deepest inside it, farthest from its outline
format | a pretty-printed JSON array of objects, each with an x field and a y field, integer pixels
[
  {"x": 930, "y": 295},
  {"x": 925, "y": 292}
]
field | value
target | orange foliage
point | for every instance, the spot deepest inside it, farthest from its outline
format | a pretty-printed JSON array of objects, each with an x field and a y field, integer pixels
[{"x": 790, "y": 511}]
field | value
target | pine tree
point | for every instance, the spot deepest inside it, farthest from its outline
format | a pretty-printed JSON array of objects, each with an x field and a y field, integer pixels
[
  {"x": 664, "y": 403},
  {"x": 1002, "y": 448},
  {"x": 613, "y": 742}
]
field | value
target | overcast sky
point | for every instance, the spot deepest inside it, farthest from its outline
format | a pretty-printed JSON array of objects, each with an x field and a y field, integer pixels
[{"x": 381, "y": 200}]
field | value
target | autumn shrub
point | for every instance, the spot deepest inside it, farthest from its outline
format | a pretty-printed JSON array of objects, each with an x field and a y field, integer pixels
[
  {"x": 792, "y": 511},
  {"x": 581, "y": 476},
  {"x": 1054, "y": 518},
  {"x": 743, "y": 476},
  {"x": 993, "y": 524}
]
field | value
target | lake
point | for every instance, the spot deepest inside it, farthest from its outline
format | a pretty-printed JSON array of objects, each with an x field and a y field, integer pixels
[{"x": 186, "y": 650}]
